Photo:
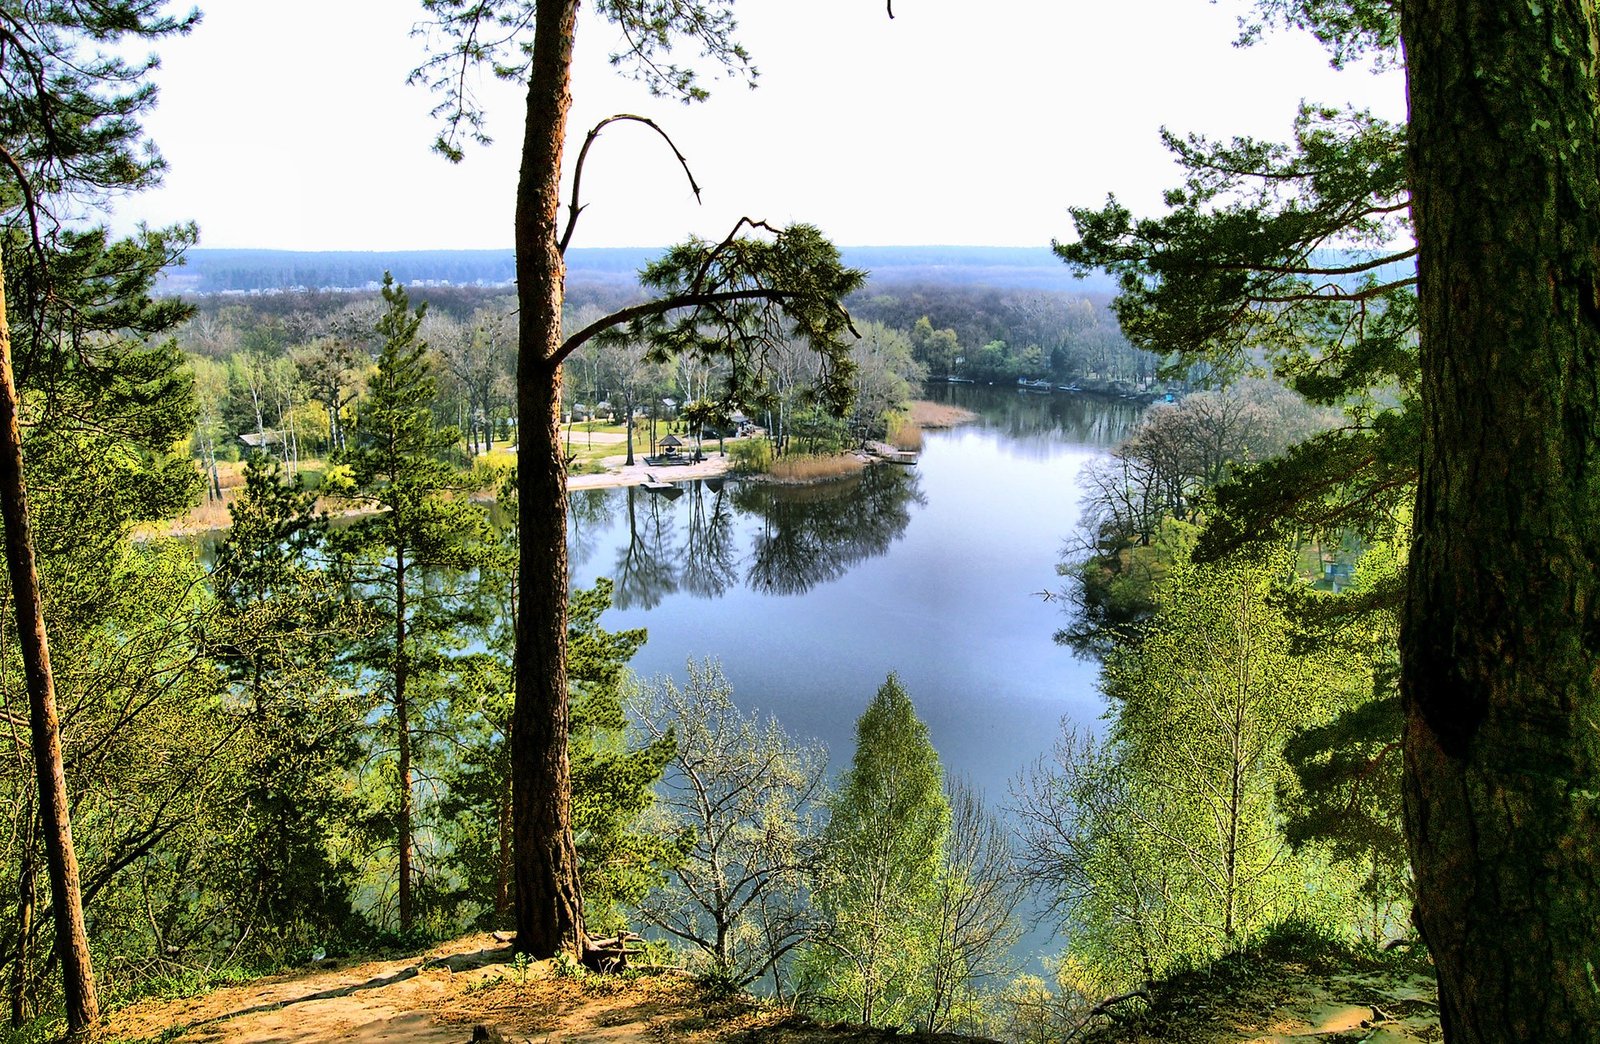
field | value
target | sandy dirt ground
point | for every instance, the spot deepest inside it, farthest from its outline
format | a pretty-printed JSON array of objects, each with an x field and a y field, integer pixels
[
  {"x": 441, "y": 996},
  {"x": 360, "y": 1003},
  {"x": 1369, "y": 1008},
  {"x": 620, "y": 474},
  {"x": 445, "y": 995}
]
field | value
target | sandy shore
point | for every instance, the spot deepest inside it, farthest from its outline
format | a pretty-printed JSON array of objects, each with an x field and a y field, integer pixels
[{"x": 619, "y": 474}]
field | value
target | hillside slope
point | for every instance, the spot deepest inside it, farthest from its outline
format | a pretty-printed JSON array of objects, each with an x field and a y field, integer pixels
[{"x": 1284, "y": 993}]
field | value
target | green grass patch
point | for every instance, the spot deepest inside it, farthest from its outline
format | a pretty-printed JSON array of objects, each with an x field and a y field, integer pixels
[{"x": 597, "y": 427}]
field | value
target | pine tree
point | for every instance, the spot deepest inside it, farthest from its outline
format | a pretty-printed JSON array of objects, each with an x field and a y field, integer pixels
[
  {"x": 69, "y": 130},
  {"x": 409, "y": 555},
  {"x": 737, "y": 299},
  {"x": 284, "y": 620},
  {"x": 1500, "y": 639},
  {"x": 611, "y": 781}
]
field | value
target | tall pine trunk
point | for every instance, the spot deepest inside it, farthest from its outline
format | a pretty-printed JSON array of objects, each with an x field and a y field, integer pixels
[
  {"x": 548, "y": 900},
  {"x": 402, "y": 721},
  {"x": 1501, "y": 641},
  {"x": 72, "y": 941},
  {"x": 27, "y": 894}
]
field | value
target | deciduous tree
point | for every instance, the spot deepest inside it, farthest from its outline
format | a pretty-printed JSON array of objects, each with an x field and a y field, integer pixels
[
  {"x": 883, "y": 848},
  {"x": 972, "y": 910},
  {"x": 1163, "y": 840},
  {"x": 746, "y": 796}
]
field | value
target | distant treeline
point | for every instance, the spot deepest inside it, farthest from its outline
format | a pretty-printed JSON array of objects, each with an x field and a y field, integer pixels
[{"x": 211, "y": 271}]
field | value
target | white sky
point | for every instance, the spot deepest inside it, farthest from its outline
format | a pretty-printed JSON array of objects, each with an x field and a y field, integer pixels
[{"x": 289, "y": 125}]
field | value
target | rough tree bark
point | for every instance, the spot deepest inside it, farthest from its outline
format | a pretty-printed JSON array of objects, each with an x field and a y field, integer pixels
[
  {"x": 549, "y": 903},
  {"x": 1501, "y": 640},
  {"x": 72, "y": 942},
  {"x": 402, "y": 723},
  {"x": 27, "y": 894},
  {"x": 796, "y": 274}
]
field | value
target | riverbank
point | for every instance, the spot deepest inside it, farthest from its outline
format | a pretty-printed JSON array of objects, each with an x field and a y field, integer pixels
[
  {"x": 805, "y": 470},
  {"x": 620, "y": 473},
  {"x": 213, "y": 515}
]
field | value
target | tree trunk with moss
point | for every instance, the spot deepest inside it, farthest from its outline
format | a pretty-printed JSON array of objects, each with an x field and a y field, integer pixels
[{"x": 1502, "y": 629}]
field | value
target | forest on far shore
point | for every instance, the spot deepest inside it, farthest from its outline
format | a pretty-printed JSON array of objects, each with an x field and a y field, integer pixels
[{"x": 240, "y": 271}]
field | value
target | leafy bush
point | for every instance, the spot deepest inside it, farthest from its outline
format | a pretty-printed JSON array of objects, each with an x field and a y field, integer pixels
[
  {"x": 819, "y": 432},
  {"x": 904, "y": 432},
  {"x": 750, "y": 456}
]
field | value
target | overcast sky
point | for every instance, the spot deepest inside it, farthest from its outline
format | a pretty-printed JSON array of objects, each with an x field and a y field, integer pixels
[{"x": 289, "y": 124}]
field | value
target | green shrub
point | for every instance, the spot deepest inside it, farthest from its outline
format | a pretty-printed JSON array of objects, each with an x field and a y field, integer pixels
[{"x": 750, "y": 456}]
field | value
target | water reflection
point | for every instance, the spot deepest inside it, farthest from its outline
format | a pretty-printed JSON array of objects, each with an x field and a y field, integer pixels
[
  {"x": 811, "y": 535},
  {"x": 590, "y": 514},
  {"x": 705, "y": 537},
  {"x": 1037, "y": 425},
  {"x": 647, "y": 562},
  {"x": 711, "y": 553},
  {"x": 928, "y": 572}
]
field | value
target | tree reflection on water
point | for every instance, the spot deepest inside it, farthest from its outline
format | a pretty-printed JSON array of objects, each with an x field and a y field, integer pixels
[
  {"x": 810, "y": 535},
  {"x": 780, "y": 540}
]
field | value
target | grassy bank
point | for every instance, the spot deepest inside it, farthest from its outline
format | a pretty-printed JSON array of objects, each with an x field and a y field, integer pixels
[{"x": 802, "y": 467}]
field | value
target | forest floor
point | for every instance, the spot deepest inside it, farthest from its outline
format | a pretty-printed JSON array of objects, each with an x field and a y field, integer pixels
[{"x": 444, "y": 995}]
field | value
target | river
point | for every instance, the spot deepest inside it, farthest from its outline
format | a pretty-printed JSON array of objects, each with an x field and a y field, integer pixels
[{"x": 810, "y": 596}]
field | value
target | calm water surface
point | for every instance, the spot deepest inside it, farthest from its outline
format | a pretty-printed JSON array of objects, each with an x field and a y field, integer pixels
[{"x": 811, "y": 596}]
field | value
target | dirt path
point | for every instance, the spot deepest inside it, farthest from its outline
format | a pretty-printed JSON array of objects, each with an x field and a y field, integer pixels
[
  {"x": 368, "y": 1002},
  {"x": 442, "y": 997},
  {"x": 1370, "y": 1008}
]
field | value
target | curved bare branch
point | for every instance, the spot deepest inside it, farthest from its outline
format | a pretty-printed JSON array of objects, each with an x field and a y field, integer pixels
[
  {"x": 662, "y": 305},
  {"x": 575, "y": 208}
]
